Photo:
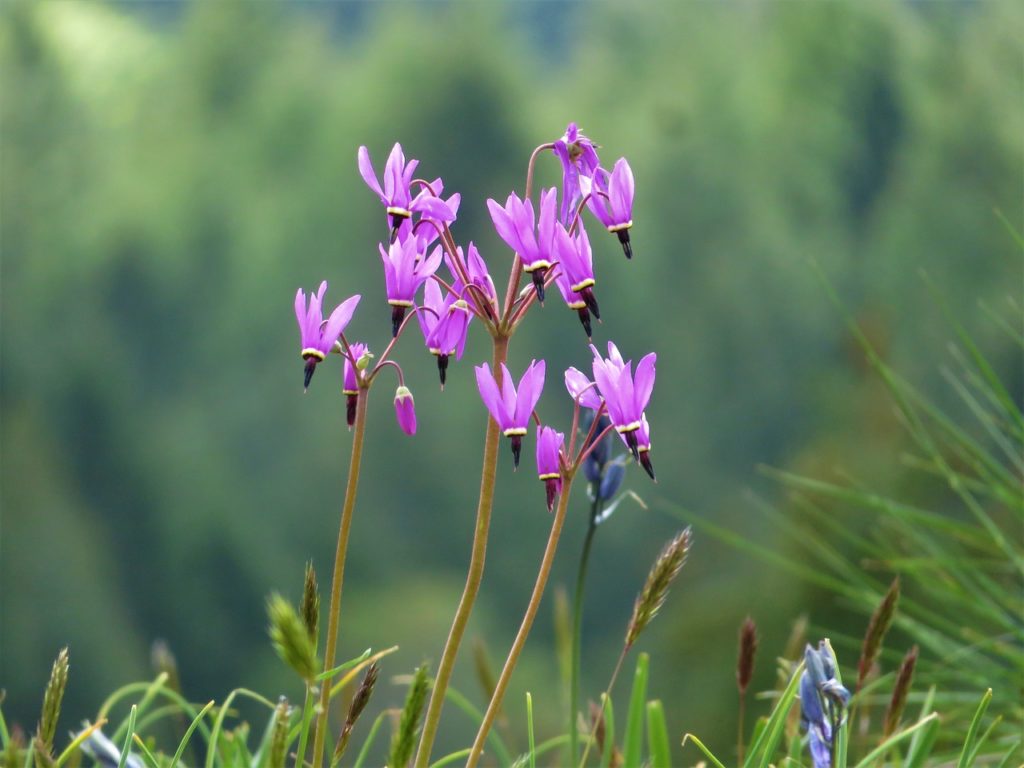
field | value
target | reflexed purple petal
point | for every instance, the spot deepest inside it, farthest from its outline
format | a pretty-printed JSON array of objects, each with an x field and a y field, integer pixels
[
  {"x": 576, "y": 381},
  {"x": 548, "y": 219},
  {"x": 300, "y": 313},
  {"x": 490, "y": 394},
  {"x": 434, "y": 207},
  {"x": 432, "y": 300},
  {"x": 530, "y": 387},
  {"x": 337, "y": 321},
  {"x": 549, "y": 443},
  {"x": 393, "y": 171},
  {"x": 504, "y": 225},
  {"x": 643, "y": 382},
  {"x": 621, "y": 190},
  {"x": 508, "y": 396},
  {"x": 368, "y": 174}
]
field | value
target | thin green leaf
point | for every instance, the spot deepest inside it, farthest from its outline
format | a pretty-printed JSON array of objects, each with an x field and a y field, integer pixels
[
  {"x": 1009, "y": 754},
  {"x": 77, "y": 742},
  {"x": 921, "y": 744},
  {"x": 768, "y": 738},
  {"x": 896, "y": 738},
  {"x": 700, "y": 745},
  {"x": 448, "y": 759},
  {"x": 218, "y": 723},
  {"x": 633, "y": 740},
  {"x": 529, "y": 729},
  {"x": 342, "y": 667},
  {"x": 147, "y": 756},
  {"x": 972, "y": 732},
  {"x": 188, "y": 734},
  {"x": 657, "y": 736},
  {"x": 128, "y": 740},
  {"x": 370, "y": 737}
]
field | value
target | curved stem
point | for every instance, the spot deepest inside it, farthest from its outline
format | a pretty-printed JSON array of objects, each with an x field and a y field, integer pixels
[
  {"x": 524, "y": 627},
  {"x": 339, "y": 572},
  {"x": 577, "y": 632},
  {"x": 473, "y": 576}
]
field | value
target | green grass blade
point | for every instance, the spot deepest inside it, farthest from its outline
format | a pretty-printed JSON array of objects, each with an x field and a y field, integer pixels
[
  {"x": 657, "y": 736},
  {"x": 700, "y": 745},
  {"x": 768, "y": 738},
  {"x": 972, "y": 732},
  {"x": 128, "y": 740},
  {"x": 342, "y": 667},
  {"x": 1009, "y": 754},
  {"x": 529, "y": 729},
  {"x": 147, "y": 756},
  {"x": 896, "y": 738},
  {"x": 77, "y": 742},
  {"x": 218, "y": 723},
  {"x": 188, "y": 733},
  {"x": 633, "y": 741},
  {"x": 984, "y": 737},
  {"x": 921, "y": 744},
  {"x": 370, "y": 737},
  {"x": 448, "y": 759},
  {"x": 609, "y": 731}
]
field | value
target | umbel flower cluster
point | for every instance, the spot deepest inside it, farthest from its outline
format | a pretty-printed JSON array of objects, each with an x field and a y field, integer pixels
[{"x": 448, "y": 288}]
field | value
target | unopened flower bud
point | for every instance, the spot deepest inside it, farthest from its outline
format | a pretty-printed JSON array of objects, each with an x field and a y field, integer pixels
[{"x": 405, "y": 410}]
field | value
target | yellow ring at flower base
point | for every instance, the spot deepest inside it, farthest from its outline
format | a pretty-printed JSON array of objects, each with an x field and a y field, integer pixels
[
  {"x": 515, "y": 432},
  {"x": 400, "y": 303},
  {"x": 585, "y": 284},
  {"x": 549, "y": 476},
  {"x": 309, "y": 352},
  {"x": 535, "y": 265},
  {"x": 392, "y": 210},
  {"x": 633, "y": 426},
  {"x": 620, "y": 227}
]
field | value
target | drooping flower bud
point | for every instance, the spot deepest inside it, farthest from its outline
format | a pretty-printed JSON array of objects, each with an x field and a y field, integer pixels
[
  {"x": 549, "y": 446},
  {"x": 405, "y": 410}
]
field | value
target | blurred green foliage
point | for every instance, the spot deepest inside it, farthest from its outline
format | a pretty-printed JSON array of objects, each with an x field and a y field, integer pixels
[{"x": 169, "y": 174}]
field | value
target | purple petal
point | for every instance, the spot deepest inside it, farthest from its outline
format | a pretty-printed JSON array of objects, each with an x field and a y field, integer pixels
[
  {"x": 368, "y": 174},
  {"x": 530, "y": 387},
  {"x": 338, "y": 320},
  {"x": 393, "y": 172},
  {"x": 433, "y": 207},
  {"x": 405, "y": 410},
  {"x": 504, "y": 225},
  {"x": 576, "y": 381},
  {"x": 508, "y": 396},
  {"x": 621, "y": 190},
  {"x": 300, "y": 312},
  {"x": 489, "y": 393},
  {"x": 643, "y": 382}
]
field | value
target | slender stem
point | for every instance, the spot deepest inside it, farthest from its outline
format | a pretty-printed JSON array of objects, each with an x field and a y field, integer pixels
[
  {"x": 525, "y": 626},
  {"x": 339, "y": 573},
  {"x": 473, "y": 576},
  {"x": 577, "y": 632},
  {"x": 604, "y": 700},
  {"x": 739, "y": 728}
]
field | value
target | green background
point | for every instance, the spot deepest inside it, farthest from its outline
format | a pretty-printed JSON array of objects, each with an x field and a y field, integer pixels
[{"x": 171, "y": 173}]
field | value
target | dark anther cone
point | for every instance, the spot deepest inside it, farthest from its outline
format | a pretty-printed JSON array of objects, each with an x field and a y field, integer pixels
[
  {"x": 308, "y": 375},
  {"x": 517, "y": 447},
  {"x": 588, "y": 296},
  {"x": 350, "y": 409},
  {"x": 645, "y": 462},
  {"x": 551, "y": 487},
  {"x": 585, "y": 319},
  {"x": 538, "y": 282},
  {"x": 397, "y": 316},
  {"x": 396, "y": 222},
  {"x": 442, "y": 368},
  {"x": 627, "y": 247},
  {"x": 633, "y": 446}
]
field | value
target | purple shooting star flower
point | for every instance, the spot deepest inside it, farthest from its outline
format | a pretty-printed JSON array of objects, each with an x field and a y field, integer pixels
[
  {"x": 478, "y": 277},
  {"x": 611, "y": 201},
  {"x": 350, "y": 387},
  {"x": 405, "y": 410},
  {"x": 582, "y": 389},
  {"x": 579, "y": 159},
  {"x": 625, "y": 395},
  {"x": 318, "y": 337},
  {"x": 511, "y": 408},
  {"x": 575, "y": 277},
  {"x": 444, "y": 322},
  {"x": 396, "y": 194},
  {"x": 549, "y": 446},
  {"x": 515, "y": 223},
  {"x": 405, "y": 270}
]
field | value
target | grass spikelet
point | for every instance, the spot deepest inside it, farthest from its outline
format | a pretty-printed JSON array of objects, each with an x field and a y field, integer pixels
[
  {"x": 279, "y": 739},
  {"x": 290, "y": 638},
  {"x": 355, "y": 709},
  {"x": 43, "y": 742},
  {"x": 879, "y": 624},
  {"x": 309, "y": 608},
  {"x": 655, "y": 590},
  {"x": 15, "y": 745},
  {"x": 900, "y": 691},
  {"x": 404, "y": 740},
  {"x": 748, "y": 649}
]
